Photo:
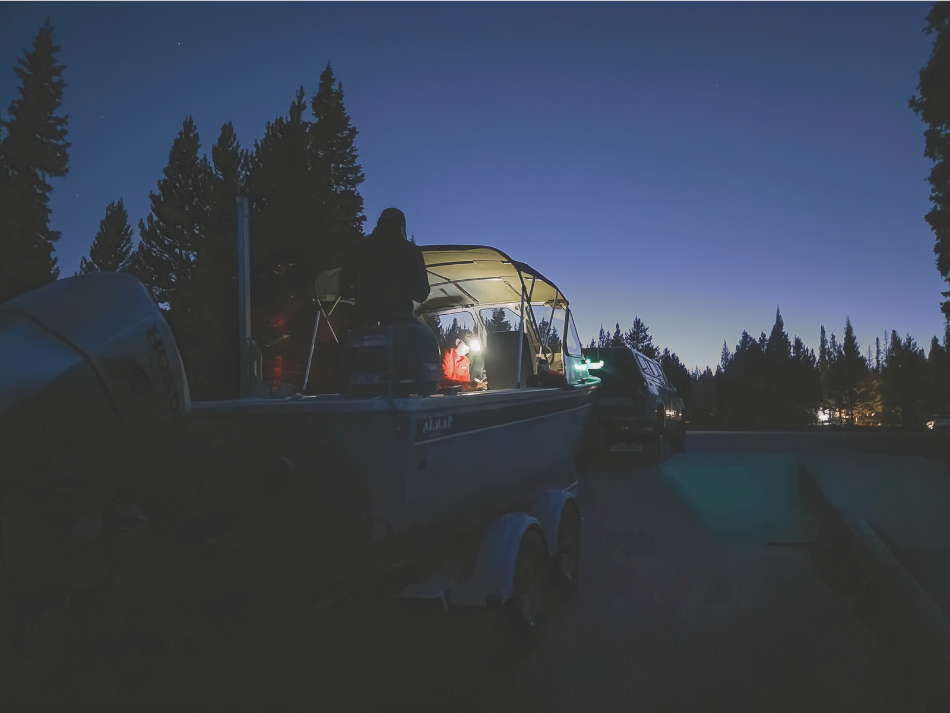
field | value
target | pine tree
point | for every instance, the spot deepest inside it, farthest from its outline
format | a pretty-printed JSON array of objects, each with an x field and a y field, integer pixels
[
  {"x": 931, "y": 105},
  {"x": 853, "y": 369},
  {"x": 333, "y": 145},
  {"x": 111, "y": 249},
  {"x": 904, "y": 387},
  {"x": 725, "y": 357},
  {"x": 33, "y": 150},
  {"x": 778, "y": 353},
  {"x": 617, "y": 339},
  {"x": 172, "y": 233},
  {"x": 285, "y": 200},
  {"x": 638, "y": 337},
  {"x": 603, "y": 338},
  {"x": 822, "y": 349},
  {"x": 938, "y": 373},
  {"x": 499, "y": 321},
  {"x": 548, "y": 335},
  {"x": 877, "y": 354},
  {"x": 778, "y": 345}
]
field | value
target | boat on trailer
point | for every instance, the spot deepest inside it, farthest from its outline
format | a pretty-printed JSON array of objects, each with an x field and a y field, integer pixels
[
  {"x": 492, "y": 470},
  {"x": 434, "y": 468}
]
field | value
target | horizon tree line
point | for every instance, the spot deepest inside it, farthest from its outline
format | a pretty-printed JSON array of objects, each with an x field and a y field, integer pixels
[{"x": 774, "y": 382}]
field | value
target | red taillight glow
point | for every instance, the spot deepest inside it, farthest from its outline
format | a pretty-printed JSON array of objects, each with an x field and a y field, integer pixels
[
  {"x": 278, "y": 322},
  {"x": 276, "y": 370}
]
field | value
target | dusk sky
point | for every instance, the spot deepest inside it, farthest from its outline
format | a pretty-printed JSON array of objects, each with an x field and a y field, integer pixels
[{"x": 693, "y": 164}]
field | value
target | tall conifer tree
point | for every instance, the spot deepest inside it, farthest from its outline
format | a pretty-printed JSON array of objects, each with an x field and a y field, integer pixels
[
  {"x": 33, "y": 150},
  {"x": 171, "y": 235},
  {"x": 638, "y": 337},
  {"x": 111, "y": 249},
  {"x": 931, "y": 105},
  {"x": 333, "y": 145},
  {"x": 617, "y": 339},
  {"x": 286, "y": 203},
  {"x": 725, "y": 357}
]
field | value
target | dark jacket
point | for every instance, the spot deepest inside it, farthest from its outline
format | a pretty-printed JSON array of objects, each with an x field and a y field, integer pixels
[{"x": 385, "y": 273}]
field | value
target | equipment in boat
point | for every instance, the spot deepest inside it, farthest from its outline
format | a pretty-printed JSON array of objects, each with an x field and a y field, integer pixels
[{"x": 391, "y": 360}]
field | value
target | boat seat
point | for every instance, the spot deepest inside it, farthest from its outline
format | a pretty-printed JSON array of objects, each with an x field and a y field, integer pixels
[{"x": 501, "y": 360}]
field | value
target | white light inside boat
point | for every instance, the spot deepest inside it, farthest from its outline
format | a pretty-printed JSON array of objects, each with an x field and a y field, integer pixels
[
  {"x": 475, "y": 345},
  {"x": 595, "y": 365}
]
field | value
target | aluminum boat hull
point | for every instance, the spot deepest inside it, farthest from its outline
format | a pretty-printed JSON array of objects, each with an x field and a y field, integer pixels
[{"x": 437, "y": 465}]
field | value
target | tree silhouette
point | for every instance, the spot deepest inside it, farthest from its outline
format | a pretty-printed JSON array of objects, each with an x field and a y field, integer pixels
[
  {"x": 111, "y": 249},
  {"x": 904, "y": 388},
  {"x": 171, "y": 233},
  {"x": 285, "y": 201},
  {"x": 677, "y": 374},
  {"x": 938, "y": 377},
  {"x": 33, "y": 150},
  {"x": 931, "y": 105},
  {"x": 617, "y": 339},
  {"x": 804, "y": 384},
  {"x": 726, "y": 356},
  {"x": 302, "y": 179},
  {"x": 851, "y": 369},
  {"x": 638, "y": 337},
  {"x": 778, "y": 354},
  {"x": 498, "y": 322},
  {"x": 333, "y": 146},
  {"x": 548, "y": 335}
]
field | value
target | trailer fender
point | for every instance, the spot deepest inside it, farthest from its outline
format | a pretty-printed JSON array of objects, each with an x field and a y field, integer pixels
[
  {"x": 492, "y": 578},
  {"x": 548, "y": 507}
]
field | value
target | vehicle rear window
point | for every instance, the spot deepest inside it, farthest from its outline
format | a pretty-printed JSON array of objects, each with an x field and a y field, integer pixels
[{"x": 646, "y": 365}]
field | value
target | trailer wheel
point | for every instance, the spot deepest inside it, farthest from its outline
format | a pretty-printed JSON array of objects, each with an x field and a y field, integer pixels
[
  {"x": 525, "y": 609},
  {"x": 567, "y": 561}
]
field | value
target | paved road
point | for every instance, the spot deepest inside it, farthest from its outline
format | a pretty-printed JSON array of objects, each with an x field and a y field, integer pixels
[{"x": 684, "y": 606}]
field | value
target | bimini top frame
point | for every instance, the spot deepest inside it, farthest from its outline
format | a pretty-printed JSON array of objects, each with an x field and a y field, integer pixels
[
  {"x": 463, "y": 276},
  {"x": 474, "y": 275}
]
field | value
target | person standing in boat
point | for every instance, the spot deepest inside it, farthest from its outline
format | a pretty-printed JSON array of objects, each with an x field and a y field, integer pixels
[
  {"x": 386, "y": 274},
  {"x": 456, "y": 365}
]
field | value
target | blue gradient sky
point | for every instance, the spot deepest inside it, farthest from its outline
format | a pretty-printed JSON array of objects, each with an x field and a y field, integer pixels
[{"x": 696, "y": 165}]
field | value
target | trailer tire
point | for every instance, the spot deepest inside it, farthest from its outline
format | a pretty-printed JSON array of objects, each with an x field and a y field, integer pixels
[
  {"x": 524, "y": 612},
  {"x": 567, "y": 560}
]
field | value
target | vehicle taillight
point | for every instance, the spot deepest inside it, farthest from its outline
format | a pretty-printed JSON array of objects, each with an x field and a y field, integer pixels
[
  {"x": 278, "y": 322},
  {"x": 276, "y": 370}
]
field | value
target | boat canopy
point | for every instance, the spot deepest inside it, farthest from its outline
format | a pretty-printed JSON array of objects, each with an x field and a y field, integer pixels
[{"x": 466, "y": 275}]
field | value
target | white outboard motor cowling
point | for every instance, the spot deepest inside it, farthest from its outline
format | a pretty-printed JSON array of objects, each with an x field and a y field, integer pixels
[{"x": 104, "y": 322}]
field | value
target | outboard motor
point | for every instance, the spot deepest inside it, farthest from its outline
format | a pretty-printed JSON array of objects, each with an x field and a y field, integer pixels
[
  {"x": 100, "y": 332},
  {"x": 391, "y": 360},
  {"x": 91, "y": 383}
]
